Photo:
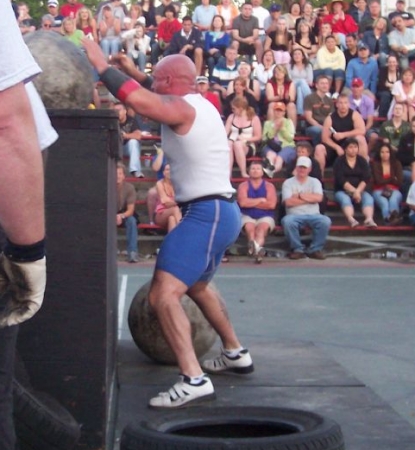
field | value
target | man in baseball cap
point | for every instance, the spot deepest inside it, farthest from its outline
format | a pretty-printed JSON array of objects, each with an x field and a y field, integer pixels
[{"x": 301, "y": 195}]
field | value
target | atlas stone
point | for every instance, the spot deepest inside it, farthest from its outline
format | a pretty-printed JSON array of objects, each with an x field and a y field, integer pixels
[
  {"x": 66, "y": 81},
  {"x": 147, "y": 334}
]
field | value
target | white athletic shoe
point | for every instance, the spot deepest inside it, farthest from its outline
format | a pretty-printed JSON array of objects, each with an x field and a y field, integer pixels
[
  {"x": 183, "y": 394},
  {"x": 241, "y": 363}
]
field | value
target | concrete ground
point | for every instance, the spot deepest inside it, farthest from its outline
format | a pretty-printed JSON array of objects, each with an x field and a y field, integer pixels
[{"x": 336, "y": 337}]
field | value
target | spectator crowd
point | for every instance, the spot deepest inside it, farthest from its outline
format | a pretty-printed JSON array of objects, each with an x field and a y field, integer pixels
[{"x": 342, "y": 75}]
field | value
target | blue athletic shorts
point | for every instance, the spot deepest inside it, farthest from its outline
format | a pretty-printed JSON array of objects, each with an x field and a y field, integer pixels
[{"x": 193, "y": 250}]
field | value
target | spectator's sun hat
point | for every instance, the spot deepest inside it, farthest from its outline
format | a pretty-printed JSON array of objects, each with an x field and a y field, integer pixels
[
  {"x": 280, "y": 105},
  {"x": 202, "y": 79},
  {"x": 330, "y": 5},
  {"x": 362, "y": 45},
  {"x": 53, "y": 3},
  {"x": 274, "y": 8},
  {"x": 303, "y": 161},
  {"x": 357, "y": 82}
]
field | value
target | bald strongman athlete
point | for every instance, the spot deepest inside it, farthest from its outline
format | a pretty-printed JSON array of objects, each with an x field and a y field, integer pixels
[{"x": 192, "y": 132}]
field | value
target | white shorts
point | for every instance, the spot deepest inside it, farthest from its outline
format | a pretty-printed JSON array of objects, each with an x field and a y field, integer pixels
[{"x": 269, "y": 220}]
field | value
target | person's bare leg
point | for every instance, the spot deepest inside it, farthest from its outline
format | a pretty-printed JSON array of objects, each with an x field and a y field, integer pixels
[
  {"x": 198, "y": 57},
  {"x": 240, "y": 158},
  {"x": 250, "y": 231},
  {"x": 261, "y": 232},
  {"x": 320, "y": 155},
  {"x": 164, "y": 297},
  {"x": 348, "y": 211},
  {"x": 213, "y": 308}
]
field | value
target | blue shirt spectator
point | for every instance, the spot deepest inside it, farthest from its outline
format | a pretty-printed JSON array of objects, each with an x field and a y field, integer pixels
[{"x": 363, "y": 67}]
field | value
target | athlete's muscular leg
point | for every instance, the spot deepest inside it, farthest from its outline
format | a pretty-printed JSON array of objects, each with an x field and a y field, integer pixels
[
  {"x": 164, "y": 297},
  {"x": 214, "y": 309}
]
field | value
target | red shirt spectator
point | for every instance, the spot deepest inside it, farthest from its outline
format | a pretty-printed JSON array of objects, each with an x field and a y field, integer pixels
[
  {"x": 202, "y": 86},
  {"x": 70, "y": 8}
]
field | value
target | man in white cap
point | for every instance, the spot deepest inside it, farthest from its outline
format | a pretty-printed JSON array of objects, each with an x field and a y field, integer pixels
[
  {"x": 301, "y": 195},
  {"x": 53, "y": 10}
]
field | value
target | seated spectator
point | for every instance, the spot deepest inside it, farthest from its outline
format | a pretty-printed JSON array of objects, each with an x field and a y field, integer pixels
[
  {"x": 301, "y": 195},
  {"x": 25, "y": 21},
  {"x": 225, "y": 71},
  {"x": 410, "y": 201},
  {"x": 130, "y": 135},
  {"x": 317, "y": 106},
  {"x": 47, "y": 22},
  {"x": 126, "y": 197},
  {"x": 310, "y": 17},
  {"x": 137, "y": 45},
  {"x": 280, "y": 42},
  {"x": 304, "y": 148},
  {"x": 271, "y": 23},
  {"x": 86, "y": 23},
  {"x": 243, "y": 128},
  {"x": 280, "y": 88},
  {"x": 188, "y": 41},
  {"x": 351, "y": 178},
  {"x": 202, "y": 87},
  {"x": 252, "y": 85},
  {"x": 363, "y": 67},
  {"x": 402, "y": 42},
  {"x": 165, "y": 32},
  {"x": 301, "y": 73},
  {"x": 148, "y": 11},
  {"x": 406, "y": 156},
  {"x": 263, "y": 73},
  {"x": 217, "y": 40},
  {"x": 351, "y": 47},
  {"x": 261, "y": 14},
  {"x": 392, "y": 130},
  {"x": 70, "y": 32},
  {"x": 240, "y": 89},
  {"x": 203, "y": 16},
  {"x": 245, "y": 33},
  {"x": 387, "y": 181},
  {"x": 325, "y": 31},
  {"x": 388, "y": 76},
  {"x": 359, "y": 11},
  {"x": 341, "y": 23},
  {"x": 109, "y": 30},
  {"x": 53, "y": 10},
  {"x": 365, "y": 105},
  {"x": 377, "y": 41},
  {"x": 375, "y": 13},
  {"x": 257, "y": 199},
  {"x": 278, "y": 137},
  {"x": 339, "y": 126},
  {"x": 305, "y": 40},
  {"x": 158, "y": 163},
  {"x": 403, "y": 93},
  {"x": 167, "y": 213},
  {"x": 134, "y": 17},
  {"x": 407, "y": 17},
  {"x": 331, "y": 62},
  {"x": 292, "y": 16},
  {"x": 228, "y": 10}
]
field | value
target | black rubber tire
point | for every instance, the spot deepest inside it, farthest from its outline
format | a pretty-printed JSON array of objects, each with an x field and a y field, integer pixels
[
  {"x": 238, "y": 428},
  {"x": 41, "y": 422}
]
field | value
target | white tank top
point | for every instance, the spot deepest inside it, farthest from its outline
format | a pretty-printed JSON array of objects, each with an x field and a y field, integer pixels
[
  {"x": 199, "y": 160},
  {"x": 18, "y": 65}
]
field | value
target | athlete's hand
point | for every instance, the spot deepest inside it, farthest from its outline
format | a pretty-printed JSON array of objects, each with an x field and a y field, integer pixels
[{"x": 22, "y": 287}]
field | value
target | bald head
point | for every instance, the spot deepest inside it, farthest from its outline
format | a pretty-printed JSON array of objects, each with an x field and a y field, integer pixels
[{"x": 174, "y": 74}]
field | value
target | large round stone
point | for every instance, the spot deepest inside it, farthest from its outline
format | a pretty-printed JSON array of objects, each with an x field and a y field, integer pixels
[
  {"x": 66, "y": 80},
  {"x": 147, "y": 334}
]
